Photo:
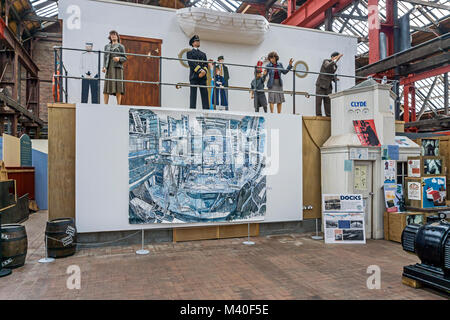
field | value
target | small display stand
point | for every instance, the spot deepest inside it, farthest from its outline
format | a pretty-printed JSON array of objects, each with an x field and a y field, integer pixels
[
  {"x": 316, "y": 236},
  {"x": 142, "y": 251},
  {"x": 47, "y": 259},
  {"x": 248, "y": 242}
]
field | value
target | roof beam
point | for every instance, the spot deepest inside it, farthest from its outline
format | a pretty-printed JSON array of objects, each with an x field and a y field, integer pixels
[
  {"x": 19, "y": 108},
  {"x": 13, "y": 43},
  {"x": 308, "y": 11},
  {"x": 40, "y": 18},
  {"x": 319, "y": 17},
  {"x": 350, "y": 16},
  {"x": 425, "y": 102},
  {"x": 427, "y": 64},
  {"x": 421, "y": 51},
  {"x": 428, "y": 4}
]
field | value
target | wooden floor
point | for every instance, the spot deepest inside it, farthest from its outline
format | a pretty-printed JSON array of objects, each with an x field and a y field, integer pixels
[{"x": 277, "y": 267}]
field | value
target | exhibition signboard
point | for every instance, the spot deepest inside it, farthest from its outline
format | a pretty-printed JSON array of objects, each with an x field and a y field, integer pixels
[
  {"x": 343, "y": 218},
  {"x": 186, "y": 167},
  {"x": 163, "y": 168}
]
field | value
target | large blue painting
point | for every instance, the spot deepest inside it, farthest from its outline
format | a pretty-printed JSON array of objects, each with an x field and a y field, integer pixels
[{"x": 195, "y": 168}]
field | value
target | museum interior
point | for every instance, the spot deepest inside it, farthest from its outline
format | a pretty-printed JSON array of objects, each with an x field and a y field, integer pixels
[{"x": 224, "y": 150}]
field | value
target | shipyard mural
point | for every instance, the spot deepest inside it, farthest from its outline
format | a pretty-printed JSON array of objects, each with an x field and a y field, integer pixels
[{"x": 190, "y": 167}]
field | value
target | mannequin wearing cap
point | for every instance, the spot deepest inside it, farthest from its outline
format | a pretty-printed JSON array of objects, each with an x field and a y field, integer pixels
[
  {"x": 197, "y": 73},
  {"x": 323, "y": 83}
]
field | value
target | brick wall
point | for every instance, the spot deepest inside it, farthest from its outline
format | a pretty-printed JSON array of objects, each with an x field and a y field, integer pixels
[{"x": 43, "y": 56}]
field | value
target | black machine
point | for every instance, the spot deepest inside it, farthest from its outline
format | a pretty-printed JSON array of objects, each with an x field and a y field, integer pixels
[{"x": 431, "y": 243}]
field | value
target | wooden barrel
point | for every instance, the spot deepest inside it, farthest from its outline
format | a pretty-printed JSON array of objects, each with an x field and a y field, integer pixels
[
  {"x": 14, "y": 245},
  {"x": 61, "y": 237}
]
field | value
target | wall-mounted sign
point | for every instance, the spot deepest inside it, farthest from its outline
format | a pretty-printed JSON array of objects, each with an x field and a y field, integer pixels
[
  {"x": 390, "y": 152},
  {"x": 434, "y": 192},
  {"x": 389, "y": 170},
  {"x": 359, "y": 154},
  {"x": 367, "y": 133},
  {"x": 342, "y": 203},
  {"x": 360, "y": 178},
  {"x": 25, "y": 151},
  {"x": 358, "y": 104},
  {"x": 414, "y": 168},
  {"x": 414, "y": 191}
]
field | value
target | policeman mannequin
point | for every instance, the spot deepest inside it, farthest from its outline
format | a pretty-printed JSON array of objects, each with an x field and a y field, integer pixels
[{"x": 197, "y": 73}]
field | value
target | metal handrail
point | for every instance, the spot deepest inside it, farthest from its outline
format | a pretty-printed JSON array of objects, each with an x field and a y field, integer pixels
[
  {"x": 293, "y": 92},
  {"x": 219, "y": 63}
]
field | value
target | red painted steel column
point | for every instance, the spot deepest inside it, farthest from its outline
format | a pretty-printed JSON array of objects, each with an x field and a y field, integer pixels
[
  {"x": 406, "y": 103},
  {"x": 388, "y": 27},
  {"x": 374, "y": 31},
  {"x": 413, "y": 102},
  {"x": 291, "y": 7}
]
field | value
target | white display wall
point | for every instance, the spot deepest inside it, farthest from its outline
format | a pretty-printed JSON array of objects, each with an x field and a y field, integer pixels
[
  {"x": 102, "y": 181},
  {"x": 91, "y": 21}
]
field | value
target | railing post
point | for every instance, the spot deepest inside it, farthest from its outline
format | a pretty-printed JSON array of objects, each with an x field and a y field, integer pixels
[
  {"x": 293, "y": 91},
  {"x": 159, "y": 80},
  {"x": 213, "y": 82},
  {"x": 56, "y": 60},
  {"x": 99, "y": 75},
  {"x": 66, "y": 92},
  {"x": 60, "y": 74}
]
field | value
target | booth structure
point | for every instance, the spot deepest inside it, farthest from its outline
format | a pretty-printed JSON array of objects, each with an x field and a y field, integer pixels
[{"x": 367, "y": 101}]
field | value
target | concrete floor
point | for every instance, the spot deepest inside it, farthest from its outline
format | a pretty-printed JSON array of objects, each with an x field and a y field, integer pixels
[{"x": 277, "y": 267}]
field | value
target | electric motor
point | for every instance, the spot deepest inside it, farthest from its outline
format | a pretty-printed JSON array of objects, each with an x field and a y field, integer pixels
[{"x": 431, "y": 243}]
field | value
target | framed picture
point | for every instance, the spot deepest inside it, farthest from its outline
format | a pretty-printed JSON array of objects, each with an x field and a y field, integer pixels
[
  {"x": 414, "y": 167},
  {"x": 429, "y": 147},
  {"x": 426, "y": 166},
  {"x": 432, "y": 166},
  {"x": 434, "y": 192}
]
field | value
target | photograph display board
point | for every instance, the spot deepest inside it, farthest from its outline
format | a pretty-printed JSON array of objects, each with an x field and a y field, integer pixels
[
  {"x": 426, "y": 166},
  {"x": 344, "y": 227},
  {"x": 343, "y": 218},
  {"x": 191, "y": 168},
  {"x": 414, "y": 168},
  {"x": 119, "y": 167},
  {"x": 434, "y": 192},
  {"x": 429, "y": 147},
  {"x": 390, "y": 171},
  {"x": 414, "y": 189}
]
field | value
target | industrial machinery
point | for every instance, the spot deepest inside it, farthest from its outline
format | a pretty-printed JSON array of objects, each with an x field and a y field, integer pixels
[{"x": 431, "y": 243}]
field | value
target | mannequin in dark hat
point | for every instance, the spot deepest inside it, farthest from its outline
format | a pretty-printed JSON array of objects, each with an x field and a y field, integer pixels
[
  {"x": 323, "y": 83},
  {"x": 197, "y": 73},
  {"x": 225, "y": 74}
]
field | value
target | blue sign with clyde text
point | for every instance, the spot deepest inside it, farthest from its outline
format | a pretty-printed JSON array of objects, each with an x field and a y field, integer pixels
[{"x": 358, "y": 104}]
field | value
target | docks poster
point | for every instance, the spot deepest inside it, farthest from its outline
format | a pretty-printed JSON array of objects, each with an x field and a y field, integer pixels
[{"x": 344, "y": 227}]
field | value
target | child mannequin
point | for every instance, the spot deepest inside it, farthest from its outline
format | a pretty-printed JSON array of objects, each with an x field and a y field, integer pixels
[
  {"x": 219, "y": 90},
  {"x": 258, "y": 84}
]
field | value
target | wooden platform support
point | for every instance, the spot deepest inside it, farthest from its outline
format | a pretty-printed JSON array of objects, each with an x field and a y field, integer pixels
[
  {"x": 315, "y": 132},
  {"x": 61, "y": 161},
  {"x": 416, "y": 284},
  {"x": 215, "y": 232}
]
